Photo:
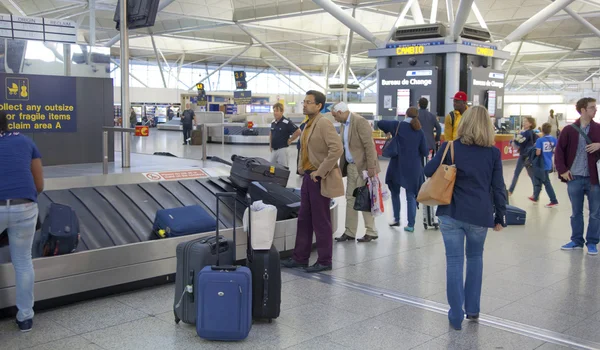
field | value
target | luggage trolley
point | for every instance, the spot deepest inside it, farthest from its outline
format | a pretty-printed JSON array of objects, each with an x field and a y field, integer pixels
[{"x": 429, "y": 218}]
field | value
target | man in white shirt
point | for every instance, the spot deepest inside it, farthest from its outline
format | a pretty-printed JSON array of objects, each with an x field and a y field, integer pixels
[{"x": 359, "y": 156}]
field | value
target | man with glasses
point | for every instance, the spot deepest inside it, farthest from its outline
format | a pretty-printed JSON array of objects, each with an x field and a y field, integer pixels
[
  {"x": 575, "y": 160},
  {"x": 320, "y": 150}
]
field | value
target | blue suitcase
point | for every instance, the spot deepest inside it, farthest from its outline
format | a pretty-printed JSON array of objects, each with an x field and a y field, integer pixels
[
  {"x": 224, "y": 297},
  {"x": 182, "y": 221},
  {"x": 515, "y": 216}
]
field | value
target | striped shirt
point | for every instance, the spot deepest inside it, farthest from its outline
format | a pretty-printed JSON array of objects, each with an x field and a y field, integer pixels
[{"x": 580, "y": 165}]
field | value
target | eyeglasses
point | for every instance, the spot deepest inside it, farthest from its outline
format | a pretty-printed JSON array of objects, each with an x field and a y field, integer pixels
[{"x": 309, "y": 103}]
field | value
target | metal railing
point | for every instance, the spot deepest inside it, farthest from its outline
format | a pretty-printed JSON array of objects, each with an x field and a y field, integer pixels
[{"x": 105, "y": 131}]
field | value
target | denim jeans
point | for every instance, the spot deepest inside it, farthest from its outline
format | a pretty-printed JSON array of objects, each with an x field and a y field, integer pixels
[
  {"x": 578, "y": 188},
  {"x": 518, "y": 169},
  {"x": 537, "y": 187},
  {"x": 21, "y": 220},
  {"x": 459, "y": 291},
  {"x": 411, "y": 205}
]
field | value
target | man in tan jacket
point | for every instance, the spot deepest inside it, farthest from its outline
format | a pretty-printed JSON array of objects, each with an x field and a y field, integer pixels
[
  {"x": 320, "y": 151},
  {"x": 359, "y": 156}
]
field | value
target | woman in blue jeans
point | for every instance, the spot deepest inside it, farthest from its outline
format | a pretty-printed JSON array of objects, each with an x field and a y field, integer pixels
[
  {"x": 21, "y": 180},
  {"x": 406, "y": 170},
  {"x": 478, "y": 204}
]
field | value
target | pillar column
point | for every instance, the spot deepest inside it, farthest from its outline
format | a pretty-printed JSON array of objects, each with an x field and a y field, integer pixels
[{"x": 452, "y": 78}]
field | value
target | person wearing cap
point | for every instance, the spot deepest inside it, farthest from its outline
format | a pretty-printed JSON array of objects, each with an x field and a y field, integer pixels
[
  {"x": 359, "y": 156},
  {"x": 453, "y": 118},
  {"x": 283, "y": 133}
]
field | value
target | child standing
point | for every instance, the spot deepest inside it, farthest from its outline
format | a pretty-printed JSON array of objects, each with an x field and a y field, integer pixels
[
  {"x": 526, "y": 139},
  {"x": 545, "y": 145}
]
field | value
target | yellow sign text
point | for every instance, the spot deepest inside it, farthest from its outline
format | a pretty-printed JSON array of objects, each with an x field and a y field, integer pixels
[
  {"x": 410, "y": 50},
  {"x": 484, "y": 51}
]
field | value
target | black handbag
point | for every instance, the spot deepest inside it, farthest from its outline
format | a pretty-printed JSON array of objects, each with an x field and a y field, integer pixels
[
  {"x": 390, "y": 147},
  {"x": 362, "y": 201}
]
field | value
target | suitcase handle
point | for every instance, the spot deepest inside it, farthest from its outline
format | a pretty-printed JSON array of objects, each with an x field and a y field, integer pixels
[
  {"x": 224, "y": 268},
  {"x": 233, "y": 195}
]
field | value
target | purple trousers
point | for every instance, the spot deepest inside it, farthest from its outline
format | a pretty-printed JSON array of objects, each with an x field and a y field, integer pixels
[{"x": 314, "y": 216}]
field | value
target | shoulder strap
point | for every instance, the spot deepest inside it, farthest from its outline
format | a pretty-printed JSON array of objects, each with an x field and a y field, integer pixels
[
  {"x": 452, "y": 117},
  {"x": 585, "y": 136},
  {"x": 451, "y": 147},
  {"x": 397, "y": 127}
]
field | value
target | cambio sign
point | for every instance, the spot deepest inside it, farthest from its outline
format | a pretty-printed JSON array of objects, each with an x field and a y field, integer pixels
[{"x": 405, "y": 82}]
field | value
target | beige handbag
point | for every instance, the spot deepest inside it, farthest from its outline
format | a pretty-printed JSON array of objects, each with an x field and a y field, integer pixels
[{"x": 438, "y": 189}]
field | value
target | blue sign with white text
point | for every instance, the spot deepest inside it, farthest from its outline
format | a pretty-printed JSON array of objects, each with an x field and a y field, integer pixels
[{"x": 39, "y": 103}]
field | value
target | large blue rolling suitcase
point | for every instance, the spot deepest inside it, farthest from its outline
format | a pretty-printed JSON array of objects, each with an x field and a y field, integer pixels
[
  {"x": 224, "y": 297},
  {"x": 182, "y": 221}
]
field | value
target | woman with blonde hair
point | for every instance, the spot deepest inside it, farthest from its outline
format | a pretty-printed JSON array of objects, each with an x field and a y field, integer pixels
[{"x": 478, "y": 204}]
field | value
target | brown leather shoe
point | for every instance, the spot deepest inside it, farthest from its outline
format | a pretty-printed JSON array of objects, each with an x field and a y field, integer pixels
[
  {"x": 367, "y": 238},
  {"x": 344, "y": 238}
]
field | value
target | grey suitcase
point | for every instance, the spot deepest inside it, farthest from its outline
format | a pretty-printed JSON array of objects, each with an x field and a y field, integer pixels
[{"x": 192, "y": 256}]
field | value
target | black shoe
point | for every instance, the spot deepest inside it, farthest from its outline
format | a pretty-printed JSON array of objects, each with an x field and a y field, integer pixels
[
  {"x": 185, "y": 143},
  {"x": 291, "y": 263},
  {"x": 26, "y": 325},
  {"x": 367, "y": 238},
  {"x": 344, "y": 238},
  {"x": 318, "y": 268},
  {"x": 395, "y": 224},
  {"x": 473, "y": 317}
]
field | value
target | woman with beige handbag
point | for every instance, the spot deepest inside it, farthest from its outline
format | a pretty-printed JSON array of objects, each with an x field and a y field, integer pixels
[{"x": 473, "y": 200}]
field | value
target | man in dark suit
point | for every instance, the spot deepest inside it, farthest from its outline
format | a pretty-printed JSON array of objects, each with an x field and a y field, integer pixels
[{"x": 429, "y": 122}]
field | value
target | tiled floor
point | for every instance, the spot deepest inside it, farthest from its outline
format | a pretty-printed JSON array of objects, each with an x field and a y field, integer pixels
[{"x": 527, "y": 279}]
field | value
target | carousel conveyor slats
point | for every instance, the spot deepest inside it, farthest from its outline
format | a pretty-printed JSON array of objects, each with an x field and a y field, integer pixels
[
  {"x": 141, "y": 199},
  {"x": 226, "y": 216},
  {"x": 118, "y": 229},
  {"x": 140, "y": 224},
  {"x": 161, "y": 195}
]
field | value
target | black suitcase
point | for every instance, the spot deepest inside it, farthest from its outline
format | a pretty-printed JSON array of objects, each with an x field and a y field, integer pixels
[
  {"x": 515, "y": 216},
  {"x": 244, "y": 170},
  {"x": 249, "y": 132},
  {"x": 266, "y": 283},
  {"x": 286, "y": 200},
  {"x": 192, "y": 256},
  {"x": 265, "y": 266}
]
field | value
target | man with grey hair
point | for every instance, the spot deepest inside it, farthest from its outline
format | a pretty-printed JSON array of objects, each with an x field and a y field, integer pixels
[{"x": 359, "y": 156}]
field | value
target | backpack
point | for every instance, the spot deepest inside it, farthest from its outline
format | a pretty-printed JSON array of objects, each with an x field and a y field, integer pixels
[{"x": 60, "y": 231}]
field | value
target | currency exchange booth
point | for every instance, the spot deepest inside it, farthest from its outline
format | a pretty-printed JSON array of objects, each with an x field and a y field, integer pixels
[{"x": 435, "y": 67}]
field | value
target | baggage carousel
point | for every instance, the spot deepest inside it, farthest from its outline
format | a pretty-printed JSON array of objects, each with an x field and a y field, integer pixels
[{"x": 117, "y": 247}]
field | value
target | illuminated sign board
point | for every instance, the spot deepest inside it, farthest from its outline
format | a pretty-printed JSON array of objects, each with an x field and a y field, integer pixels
[
  {"x": 484, "y": 51},
  {"x": 410, "y": 50}
]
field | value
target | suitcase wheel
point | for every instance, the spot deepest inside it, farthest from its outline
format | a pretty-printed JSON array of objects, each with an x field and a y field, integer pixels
[
  {"x": 270, "y": 320},
  {"x": 437, "y": 226},
  {"x": 177, "y": 320},
  {"x": 425, "y": 225}
]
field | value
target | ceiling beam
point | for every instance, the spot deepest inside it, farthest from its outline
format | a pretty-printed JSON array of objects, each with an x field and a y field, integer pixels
[
  {"x": 535, "y": 20},
  {"x": 348, "y": 21},
  {"x": 464, "y": 9},
  {"x": 283, "y": 58}
]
